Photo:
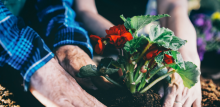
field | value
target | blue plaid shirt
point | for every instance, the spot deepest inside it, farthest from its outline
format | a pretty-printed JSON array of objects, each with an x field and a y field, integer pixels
[{"x": 24, "y": 50}]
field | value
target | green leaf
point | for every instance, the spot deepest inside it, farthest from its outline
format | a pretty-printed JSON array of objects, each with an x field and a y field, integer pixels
[
  {"x": 177, "y": 59},
  {"x": 122, "y": 59},
  {"x": 176, "y": 43},
  {"x": 161, "y": 36},
  {"x": 133, "y": 45},
  {"x": 103, "y": 67},
  {"x": 135, "y": 56},
  {"x": 110, "y": 71},
  {"x": 138, "y": 22},
  {"x": 116, "y": 64},
  {"x": 163, "y": 72},
  {"x": 159, "y": 59},
  {"x": 190, "y": 75},
  {"x": 153, "y": 71},
  {"x": 88, "y": 71},
  {"x": 105, "y": 63}
]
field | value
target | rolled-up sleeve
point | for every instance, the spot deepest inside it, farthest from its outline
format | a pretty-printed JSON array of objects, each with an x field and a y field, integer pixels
[
  {"x": 57, "y": 19},
  {"x": 21, "y": 47}
]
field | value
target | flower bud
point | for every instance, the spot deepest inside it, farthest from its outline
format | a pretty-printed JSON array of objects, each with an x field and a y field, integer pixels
[{"x": 143, "y": 70}]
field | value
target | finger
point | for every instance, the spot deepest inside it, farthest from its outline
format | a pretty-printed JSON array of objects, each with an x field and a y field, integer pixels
[
  {"x": 81, "y": 95},
  {"x": 197, "y": 103},
  {"x": 102, "y": 82},
  {"x": 188, "y": 102},
  {"x": 179, "y": 92},
  {"x": 89, "y": 99},
  {"x": 186, "y": 94},
  {"x": 185, "y": 91},
  {"x": 78, "y": 103},
  {"x": 170, "y": 98},
  {"x": 161, "y": 91},
  {"x": 94, "y": 100},
  {"x": 86, "y": 82}
]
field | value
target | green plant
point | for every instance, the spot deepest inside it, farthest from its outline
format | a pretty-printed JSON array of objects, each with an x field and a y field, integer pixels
[{"x": 143, "y": 57}]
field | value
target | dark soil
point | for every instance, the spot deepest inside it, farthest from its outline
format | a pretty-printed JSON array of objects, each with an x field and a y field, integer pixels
[
  {"x": 12, "y": 92},
  {"x": 124, "y": 98},
  {"x": 210, "y": 93},
  {"x": 116, "y": 97}
]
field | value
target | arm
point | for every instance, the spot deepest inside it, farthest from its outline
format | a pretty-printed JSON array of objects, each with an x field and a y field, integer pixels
[
  {"x": 23, "y": 49},
  {"x": 94, "y": 22},
  {"x": 179, "y": 23},
  {"x": 72, "y": 46},
  {"x": 20, "y": 46}
]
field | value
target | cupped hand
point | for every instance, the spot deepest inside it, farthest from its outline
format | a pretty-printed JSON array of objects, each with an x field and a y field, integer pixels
[
  {"x": 179, "y": 96},
  {"x": 72, "y": 58},
  {"x": 176, "y": 95}
]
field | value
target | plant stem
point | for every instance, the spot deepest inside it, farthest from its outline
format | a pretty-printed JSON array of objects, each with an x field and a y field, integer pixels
[
  {"x": 137, "y": 69},
  {"x": 139, "y": 78},
  {"x": 143, "y": 82},
  {"x": 147, "y": 62},
  {"x": 156, "y": 81},
  {"x": 122, "y": 68},
  {"x": 112, "y": 81},
  {"x": 131, "y": 78},
  {"x": 123, "y": 18},
  {"x": 151, "y": 67},
  {"x": 145, "y": 50},
  {"x": 151, "y": 75}
]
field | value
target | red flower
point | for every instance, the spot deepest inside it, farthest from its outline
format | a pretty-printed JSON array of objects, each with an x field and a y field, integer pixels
[
  {"x": 118, "y": 36},
  {"x": 99, "y": 47},
  {"x": 153, "y": 52},
  {"x": 116, "y": 30},
  {"x": 168, "y": 59},
  {"x": 95, "y": 38}
]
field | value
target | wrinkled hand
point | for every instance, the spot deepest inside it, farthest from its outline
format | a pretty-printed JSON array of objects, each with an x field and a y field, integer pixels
[
  {"x": 176, "y": 95},
  {"x": 53, "y": 87},
  {"x": 72, "y": 58}
]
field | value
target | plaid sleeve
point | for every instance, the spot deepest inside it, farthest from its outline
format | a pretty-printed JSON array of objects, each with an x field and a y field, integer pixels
[
  {"x": 57, "y": 19},
  {"x": 21, "y": 47}
]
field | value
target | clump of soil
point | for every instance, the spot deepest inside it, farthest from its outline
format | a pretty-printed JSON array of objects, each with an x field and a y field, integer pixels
[
  {"x": 4, "y": 98},
  {"x": 210, "y": 93},
  {"x": 124, "y": 98}
]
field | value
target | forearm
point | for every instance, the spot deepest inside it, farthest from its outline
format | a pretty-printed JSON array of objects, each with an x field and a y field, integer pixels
[
  {"x": 179, "y": 23},
  {"x": 95, "y": 23}
]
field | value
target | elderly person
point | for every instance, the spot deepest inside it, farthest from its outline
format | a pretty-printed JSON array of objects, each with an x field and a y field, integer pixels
[{"x": 44, "y": 75}]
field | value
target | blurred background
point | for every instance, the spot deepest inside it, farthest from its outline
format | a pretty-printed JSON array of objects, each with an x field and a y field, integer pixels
[{"x": 205, "y": 16}]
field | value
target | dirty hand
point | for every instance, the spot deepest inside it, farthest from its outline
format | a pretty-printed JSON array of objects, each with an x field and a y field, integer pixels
[
  {"x": 54, "y": 87},
  {"x": 72, "y": 58}
]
